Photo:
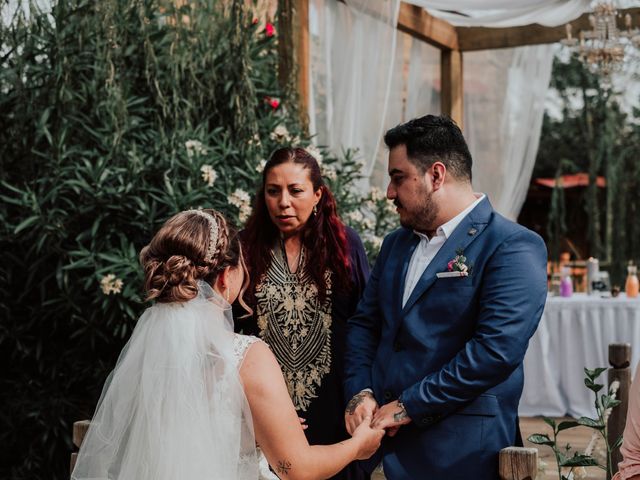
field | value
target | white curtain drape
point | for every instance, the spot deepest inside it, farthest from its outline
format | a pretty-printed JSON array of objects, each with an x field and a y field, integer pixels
[
  {"x": 352, "y": 56},
  {"x": 367, "y": 77},
  {"x": 415, "y": 91},
  {"x": 504, "y": 101}
]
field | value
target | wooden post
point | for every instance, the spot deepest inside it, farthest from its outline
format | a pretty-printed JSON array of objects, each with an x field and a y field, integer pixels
[
  {"x": 302, "y": 54},
  {"x": 293, "y": 52},
  {"x": 517, "y": 463},
  {"x": 452, "y": 94},
  {"x": 79, "y": 431},
  {"x": 620, "y": 361}
]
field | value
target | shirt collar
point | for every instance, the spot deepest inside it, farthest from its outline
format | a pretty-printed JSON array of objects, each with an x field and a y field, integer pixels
[{"x": 446, "y": 229}]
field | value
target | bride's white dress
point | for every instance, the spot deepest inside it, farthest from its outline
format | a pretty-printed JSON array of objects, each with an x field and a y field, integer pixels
[{"x": 174, "y": 407}]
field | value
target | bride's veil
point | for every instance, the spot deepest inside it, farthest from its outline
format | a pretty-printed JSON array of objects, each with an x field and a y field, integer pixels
[{"x": 173, "y": 408}]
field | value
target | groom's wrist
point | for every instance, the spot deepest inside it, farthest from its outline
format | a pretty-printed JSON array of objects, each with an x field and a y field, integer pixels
[{"x": 358, "y": 399}]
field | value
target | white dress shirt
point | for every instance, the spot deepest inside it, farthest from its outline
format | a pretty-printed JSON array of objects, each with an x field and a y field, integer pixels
[{"x": 428, "y": 248}]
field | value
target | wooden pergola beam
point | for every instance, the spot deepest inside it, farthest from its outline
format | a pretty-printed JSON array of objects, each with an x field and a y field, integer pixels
[
  {"x": 416, "y": 22},
  {"x": 483, "y": 38},
  {"x": 452, "y": 91},
  {"x": 302, "y": 56},
  {"x": 419, "y": 24}
]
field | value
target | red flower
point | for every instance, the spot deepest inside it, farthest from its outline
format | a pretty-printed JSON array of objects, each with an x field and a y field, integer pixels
[
  {"x": 272, "y": 102},
  {"x": 270, "y": 30}
]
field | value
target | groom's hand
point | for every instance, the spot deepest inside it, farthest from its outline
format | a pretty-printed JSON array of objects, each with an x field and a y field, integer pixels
[
  {"x": 362, "y": 405},
  {"x": 391, "y": 417}
]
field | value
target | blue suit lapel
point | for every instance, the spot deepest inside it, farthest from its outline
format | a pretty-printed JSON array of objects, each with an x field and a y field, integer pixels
[{"x": 465, "y": 233}]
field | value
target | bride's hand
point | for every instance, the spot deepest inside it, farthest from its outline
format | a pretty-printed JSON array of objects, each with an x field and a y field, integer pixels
[{"x": 368, "y": 438}]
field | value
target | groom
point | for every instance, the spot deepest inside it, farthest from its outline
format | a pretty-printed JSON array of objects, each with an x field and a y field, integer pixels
[{"x": 435, "y": 349}]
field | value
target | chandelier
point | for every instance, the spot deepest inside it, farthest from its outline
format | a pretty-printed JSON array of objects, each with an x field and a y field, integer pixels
[{"x": 603, "y": 47}]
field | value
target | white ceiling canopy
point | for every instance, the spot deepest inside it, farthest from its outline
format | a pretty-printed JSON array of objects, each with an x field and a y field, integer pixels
[{"x": 505, "y": 13}]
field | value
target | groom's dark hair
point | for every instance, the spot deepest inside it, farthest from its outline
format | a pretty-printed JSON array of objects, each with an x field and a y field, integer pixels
[{"x": 430, "y": 139}]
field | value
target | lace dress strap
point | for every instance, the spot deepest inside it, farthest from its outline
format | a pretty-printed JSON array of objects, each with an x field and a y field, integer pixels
[{"x": 241, "y": 344}]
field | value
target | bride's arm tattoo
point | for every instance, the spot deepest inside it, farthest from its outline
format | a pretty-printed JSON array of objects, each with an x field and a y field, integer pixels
[
  {"x": 283, "y": 467},
  {"x": 357, "y": 399}
]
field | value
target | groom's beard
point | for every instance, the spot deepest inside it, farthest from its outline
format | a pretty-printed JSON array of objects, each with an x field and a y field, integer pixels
[{"x": 422, "y": 216}]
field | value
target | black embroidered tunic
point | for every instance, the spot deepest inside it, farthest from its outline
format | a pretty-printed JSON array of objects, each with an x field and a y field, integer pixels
[{"x": 307, "y": 336}]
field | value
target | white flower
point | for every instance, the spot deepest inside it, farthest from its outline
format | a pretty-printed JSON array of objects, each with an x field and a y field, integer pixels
[
  {"x": 329, "y": 172},
  {"x": 242, "y": 200},
  {"x": 370, "y": 205},
  {"x": 280, "y": 133},
  {"x": 239, "y": 198},
  {"x": 355, "y": 216},
  {"x": 193, "y": 147},
  {"x": 296, "y": 140},
  {"x": 368, "y": 224},
  {"x": 613, "y": 393},
  {"x": 376, "y": 194},
  {"x": 592, "y": 443},
  {"x": 261, "y": 164},
  {"x": 255, "y": 140},
  {"x": 209, "y": 175},
  {"x": 376, "y": 242},
  {"x": 245, "y": 213},
  {"x": 315, "y": 153},
  {"x": 110, "y": 284}
]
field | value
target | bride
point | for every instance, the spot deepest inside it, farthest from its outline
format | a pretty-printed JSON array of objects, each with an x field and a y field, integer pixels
[{"x": 188, "y": 398}]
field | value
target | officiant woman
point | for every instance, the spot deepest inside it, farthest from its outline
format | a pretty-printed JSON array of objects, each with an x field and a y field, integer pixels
[{"x": 307, "y": 272}]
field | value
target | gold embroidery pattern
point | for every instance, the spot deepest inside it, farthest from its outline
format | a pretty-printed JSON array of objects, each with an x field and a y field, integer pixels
[{"x": 296, "y": 325}]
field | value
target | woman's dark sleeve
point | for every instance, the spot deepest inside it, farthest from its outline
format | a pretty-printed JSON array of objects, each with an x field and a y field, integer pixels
[{"x": 359, "y": 262}]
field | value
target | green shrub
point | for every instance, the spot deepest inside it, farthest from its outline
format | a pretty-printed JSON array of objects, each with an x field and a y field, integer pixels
[{"x": 116, "y": 114}]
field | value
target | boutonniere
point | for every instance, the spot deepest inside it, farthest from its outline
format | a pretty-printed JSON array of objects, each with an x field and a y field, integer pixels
[{"x": 458, "y": 267}]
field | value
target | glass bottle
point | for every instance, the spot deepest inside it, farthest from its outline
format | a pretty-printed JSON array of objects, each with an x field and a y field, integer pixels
[
  {"x": 566, "y": 284},
  {"x": 632, "y": 286}
]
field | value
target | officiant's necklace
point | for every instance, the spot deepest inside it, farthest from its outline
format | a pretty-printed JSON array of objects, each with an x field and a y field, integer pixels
[{"x": 296, "y": 260}]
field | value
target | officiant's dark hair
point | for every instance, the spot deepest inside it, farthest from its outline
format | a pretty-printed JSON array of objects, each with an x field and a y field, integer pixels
[{"x": 430, "y": 139}]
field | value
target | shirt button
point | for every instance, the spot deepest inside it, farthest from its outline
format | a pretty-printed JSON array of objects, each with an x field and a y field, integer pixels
[{"x": 387, "y": 395}]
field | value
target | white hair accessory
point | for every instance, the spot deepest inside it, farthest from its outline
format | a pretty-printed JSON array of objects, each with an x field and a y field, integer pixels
[{"x": 212, "y": 250}]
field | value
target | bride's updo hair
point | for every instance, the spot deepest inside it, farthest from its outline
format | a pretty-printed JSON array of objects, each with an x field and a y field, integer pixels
[{"x": 183, "y": 252}]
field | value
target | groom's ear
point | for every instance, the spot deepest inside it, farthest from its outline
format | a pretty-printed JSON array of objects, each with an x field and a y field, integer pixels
[{"x": 437, "y": 173}]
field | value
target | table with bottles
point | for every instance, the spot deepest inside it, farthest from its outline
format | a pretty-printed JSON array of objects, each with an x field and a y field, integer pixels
[{"x": 574, "y": 333}]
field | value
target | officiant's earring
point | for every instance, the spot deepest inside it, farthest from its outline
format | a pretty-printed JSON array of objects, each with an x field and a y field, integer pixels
[{"x": 315, "y": 209}]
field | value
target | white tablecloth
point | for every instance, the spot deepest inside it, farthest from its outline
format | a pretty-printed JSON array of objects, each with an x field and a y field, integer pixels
[{"x": 575, "y": 333}]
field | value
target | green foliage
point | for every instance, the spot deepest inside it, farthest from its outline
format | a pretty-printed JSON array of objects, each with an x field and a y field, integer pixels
[
  {"x": 604, "y": 403},
  {"x": 117, "y": 114},
  {"x": 594, "y": 136}
]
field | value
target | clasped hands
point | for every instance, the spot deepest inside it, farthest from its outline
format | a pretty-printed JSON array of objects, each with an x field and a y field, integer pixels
[{"x": 389, "y": 417}]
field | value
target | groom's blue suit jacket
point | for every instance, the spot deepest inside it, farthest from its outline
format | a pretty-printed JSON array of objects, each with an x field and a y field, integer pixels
[{"x": 454, "y": 352}]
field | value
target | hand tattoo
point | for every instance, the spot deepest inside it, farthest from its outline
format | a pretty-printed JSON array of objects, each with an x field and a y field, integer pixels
[
  {"x": 283, "y": 467},
  {"x": 400, "y": 415},
  {"x": 357, "y": 400}
]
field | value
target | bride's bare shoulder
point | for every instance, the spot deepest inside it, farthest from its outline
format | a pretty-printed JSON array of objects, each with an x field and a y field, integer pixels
[{"x": 259, "y": 364}]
